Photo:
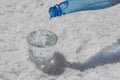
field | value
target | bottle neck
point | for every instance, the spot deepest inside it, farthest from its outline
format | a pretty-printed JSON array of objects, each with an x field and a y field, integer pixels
[{"x": 55, "y": 11}]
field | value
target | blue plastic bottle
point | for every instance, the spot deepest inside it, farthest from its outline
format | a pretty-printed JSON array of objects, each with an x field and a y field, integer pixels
[{"x": 70, "y": 6}]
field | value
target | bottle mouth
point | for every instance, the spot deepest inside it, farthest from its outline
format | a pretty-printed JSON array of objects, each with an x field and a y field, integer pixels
[{"x": 55, "y": 11}]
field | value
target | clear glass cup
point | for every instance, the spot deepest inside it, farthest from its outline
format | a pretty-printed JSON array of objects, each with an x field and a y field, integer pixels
[{"x": 42, "y": 46}]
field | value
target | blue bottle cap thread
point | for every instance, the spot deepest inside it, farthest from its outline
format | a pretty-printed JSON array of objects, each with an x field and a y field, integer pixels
[{"x": 55, "y": 11}]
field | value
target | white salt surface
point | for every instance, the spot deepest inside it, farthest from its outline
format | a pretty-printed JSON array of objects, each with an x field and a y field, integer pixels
[{"x": 80, "y": 36}]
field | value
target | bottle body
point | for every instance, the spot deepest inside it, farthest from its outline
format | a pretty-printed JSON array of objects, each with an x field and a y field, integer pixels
[
  {"x": 70, "y": 6},
  {"x": 82, "y": 5}
]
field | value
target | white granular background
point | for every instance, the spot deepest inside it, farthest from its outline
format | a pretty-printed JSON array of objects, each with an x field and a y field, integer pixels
[{"x": 80, "y": 36}]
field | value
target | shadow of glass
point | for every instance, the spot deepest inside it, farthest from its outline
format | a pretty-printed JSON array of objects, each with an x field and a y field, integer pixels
[
  {"x": 108, "y": 55},
  {"x": 57, "y": 66}
]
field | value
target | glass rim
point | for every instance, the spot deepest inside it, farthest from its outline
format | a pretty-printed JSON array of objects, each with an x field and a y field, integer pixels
[{"x": 29, "y": 37}]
